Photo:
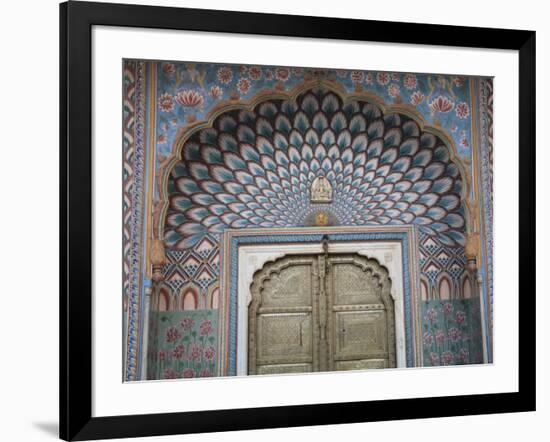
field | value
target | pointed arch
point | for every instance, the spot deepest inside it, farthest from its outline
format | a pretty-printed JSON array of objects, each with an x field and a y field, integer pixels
[
  {"x": 445, "y": 287},
  {"x": 189, "y": 298}
]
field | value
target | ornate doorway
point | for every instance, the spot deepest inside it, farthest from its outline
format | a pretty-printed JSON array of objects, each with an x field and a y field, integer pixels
[{"x": 321, "y": 312}]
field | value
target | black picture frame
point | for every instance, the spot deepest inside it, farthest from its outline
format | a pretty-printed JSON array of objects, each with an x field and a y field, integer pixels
[{"x": 76, "y": 21}]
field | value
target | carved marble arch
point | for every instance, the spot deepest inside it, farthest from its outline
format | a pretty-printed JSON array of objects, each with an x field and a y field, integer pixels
[
  {"x": 321, "y": 313},
  {"x": 253, "y": 164}
]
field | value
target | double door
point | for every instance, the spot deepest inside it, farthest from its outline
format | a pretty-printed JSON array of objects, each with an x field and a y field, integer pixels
[{"x": 324, "y": 312}]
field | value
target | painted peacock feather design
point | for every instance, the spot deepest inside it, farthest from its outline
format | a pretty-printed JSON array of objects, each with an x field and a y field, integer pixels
[{"x": 255, "y": 168}]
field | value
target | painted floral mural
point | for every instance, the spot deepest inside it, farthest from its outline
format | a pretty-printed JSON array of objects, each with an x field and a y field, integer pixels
[{"x": 185, "y": 345}]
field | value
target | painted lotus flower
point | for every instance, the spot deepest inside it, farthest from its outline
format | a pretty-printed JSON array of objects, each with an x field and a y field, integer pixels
[
  {"x": 172, "y": 334},
  {"x": 282, "y": 74},
  {"x": 417, "y": 98},
  {"x": 178, "y": 351},
  {"x": 169, "y": 69},
  {"x": 441, "y": 104},
  {"x": 225, "y": 75},
  {"x": 434, "y": 358},
  {"x": 255, "y": 73},
  {"x": 462, "y": 110},
  {"x": 209, "y": 353},
  {"x": 447, "y": 357},
  {"x": 190, "y": 98},
  {"x": 243, "y": 85},
  {"x": 410, "y": 81},
  {"x": 454, "y": 334},
  {"x": 383, "y": 78},
  {"x": 393, "y": 90},
  {"x": 357, "y": 76},
  {"x": 187, "y": 323},
  {"x": 205, "y": 327},
  {"x": 216, "y": 92},
  {"x": 166, "y": 103},
  {"x": 188, "y": 373}
]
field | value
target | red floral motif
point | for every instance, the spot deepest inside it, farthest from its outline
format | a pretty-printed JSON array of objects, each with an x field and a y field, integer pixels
[
  {"x": 162, "y": 355},
  {"x": 216, "y": 92},
  {"x": 428, "y": 339},
  {"x": 172, "y": 334},
  {"x": 454, "y": 334},
  {"x": 410, "y": 81},
  {"x": 188, "y": 373},
  {"x": 395, "y": 76},
  {"x": 447, "y": 308},
  {"x": 447, "y": 357},
  {"x": 431, "y": 315},
  {"x": 417, "y": 98},
  {"x": 255, "y": 73},
  {"x": 462, "y": 110},
  {"x": 190, "y": 98},
  {"x": 282, "y": 74},
  {"x": 383, "y": 78},
  {"x": 434, "y": 358},
  {"x": 370, "y": 78},
  {"x": 196, "y": 352},
  {"x": 459, "y": 81},
  {"x": 357, "y": 76},
  {"x": 393, "y": 90},
  {"x": 439, "y": 336},
  {"x": 242, "y": 69},
  {"x": 464, "y": 355},
  {"x": 205, "y": 327},
  {"x": 166, "y": 103},
  {"x": 209, "y": 353},
  {"x": 187, "y": 323},
  {"x": 178, "y": 351},
  {"x": 243, "y": 85},
  {"x": 464, "y": 142},
  {"x": 441, "y": 104},
  {"x": 225, "y": 75},
  {"x": 162, "y": 138},
  {"x": 169, "y": 69},
  {"x": 460, "y": 317},
  {"x": 205, "y": 373},
  {"x": 170, "y": 374}
]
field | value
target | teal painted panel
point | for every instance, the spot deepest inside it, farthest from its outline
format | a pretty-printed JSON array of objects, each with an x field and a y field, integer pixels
[
  {"x": 451, "y": 332},
  {"x": 185, "y": 345}
]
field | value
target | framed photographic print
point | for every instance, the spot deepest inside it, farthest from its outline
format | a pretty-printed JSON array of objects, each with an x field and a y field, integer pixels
[{"x": 274, "y": 220}]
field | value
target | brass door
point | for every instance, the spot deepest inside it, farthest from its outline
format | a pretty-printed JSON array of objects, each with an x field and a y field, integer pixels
[{"x": 321, "y": 313}]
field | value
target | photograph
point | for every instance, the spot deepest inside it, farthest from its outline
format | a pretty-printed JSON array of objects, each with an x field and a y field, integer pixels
[{"x": 291, "y": 219}]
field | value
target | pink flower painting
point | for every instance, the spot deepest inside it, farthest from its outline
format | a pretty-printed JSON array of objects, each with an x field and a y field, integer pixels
[
  {"x": 178, "y": 351},
  {"x": 188, "y": 373},
  {"x": 447, "y": 357},
  {"x": 441, "y": 104},
  {"x": 170, "y": 374},
  {"x": 190, "y": 98},
  {"x": 357, "y": 77},
  {"x": 216, "y": 92},
  {"x": 383, "y": 78},
  {"x": 169, "y": 69},
  {"x": 462, "y": 110},
  {"x": 172, "y": 334},
  {"x": 187, "y": 323},
  {"x": 282, "y": 74},
  {"x": 209, "y": 353},
  {"x": 205, "y": 327},
  {"x": 410, "y": 81},
  {"x": 243, "y": 85},
  {"x": 255, "y": 73},
  {"x": 166, "y": 103},
  {"x": 417, "y": 98}
]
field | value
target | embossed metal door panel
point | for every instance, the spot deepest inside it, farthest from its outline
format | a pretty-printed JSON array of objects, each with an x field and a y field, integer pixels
[
  {"x": 321, "y": 313},
  {"x": 282, "y": 323},
  {"x": 361, "y": 314}
]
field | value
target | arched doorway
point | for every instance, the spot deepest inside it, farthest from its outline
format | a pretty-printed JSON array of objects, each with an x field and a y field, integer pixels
[{"x": 321, "y": 312}]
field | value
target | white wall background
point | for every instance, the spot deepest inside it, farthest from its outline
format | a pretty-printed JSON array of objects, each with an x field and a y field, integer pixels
[{"x": 29, "y": 221}]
